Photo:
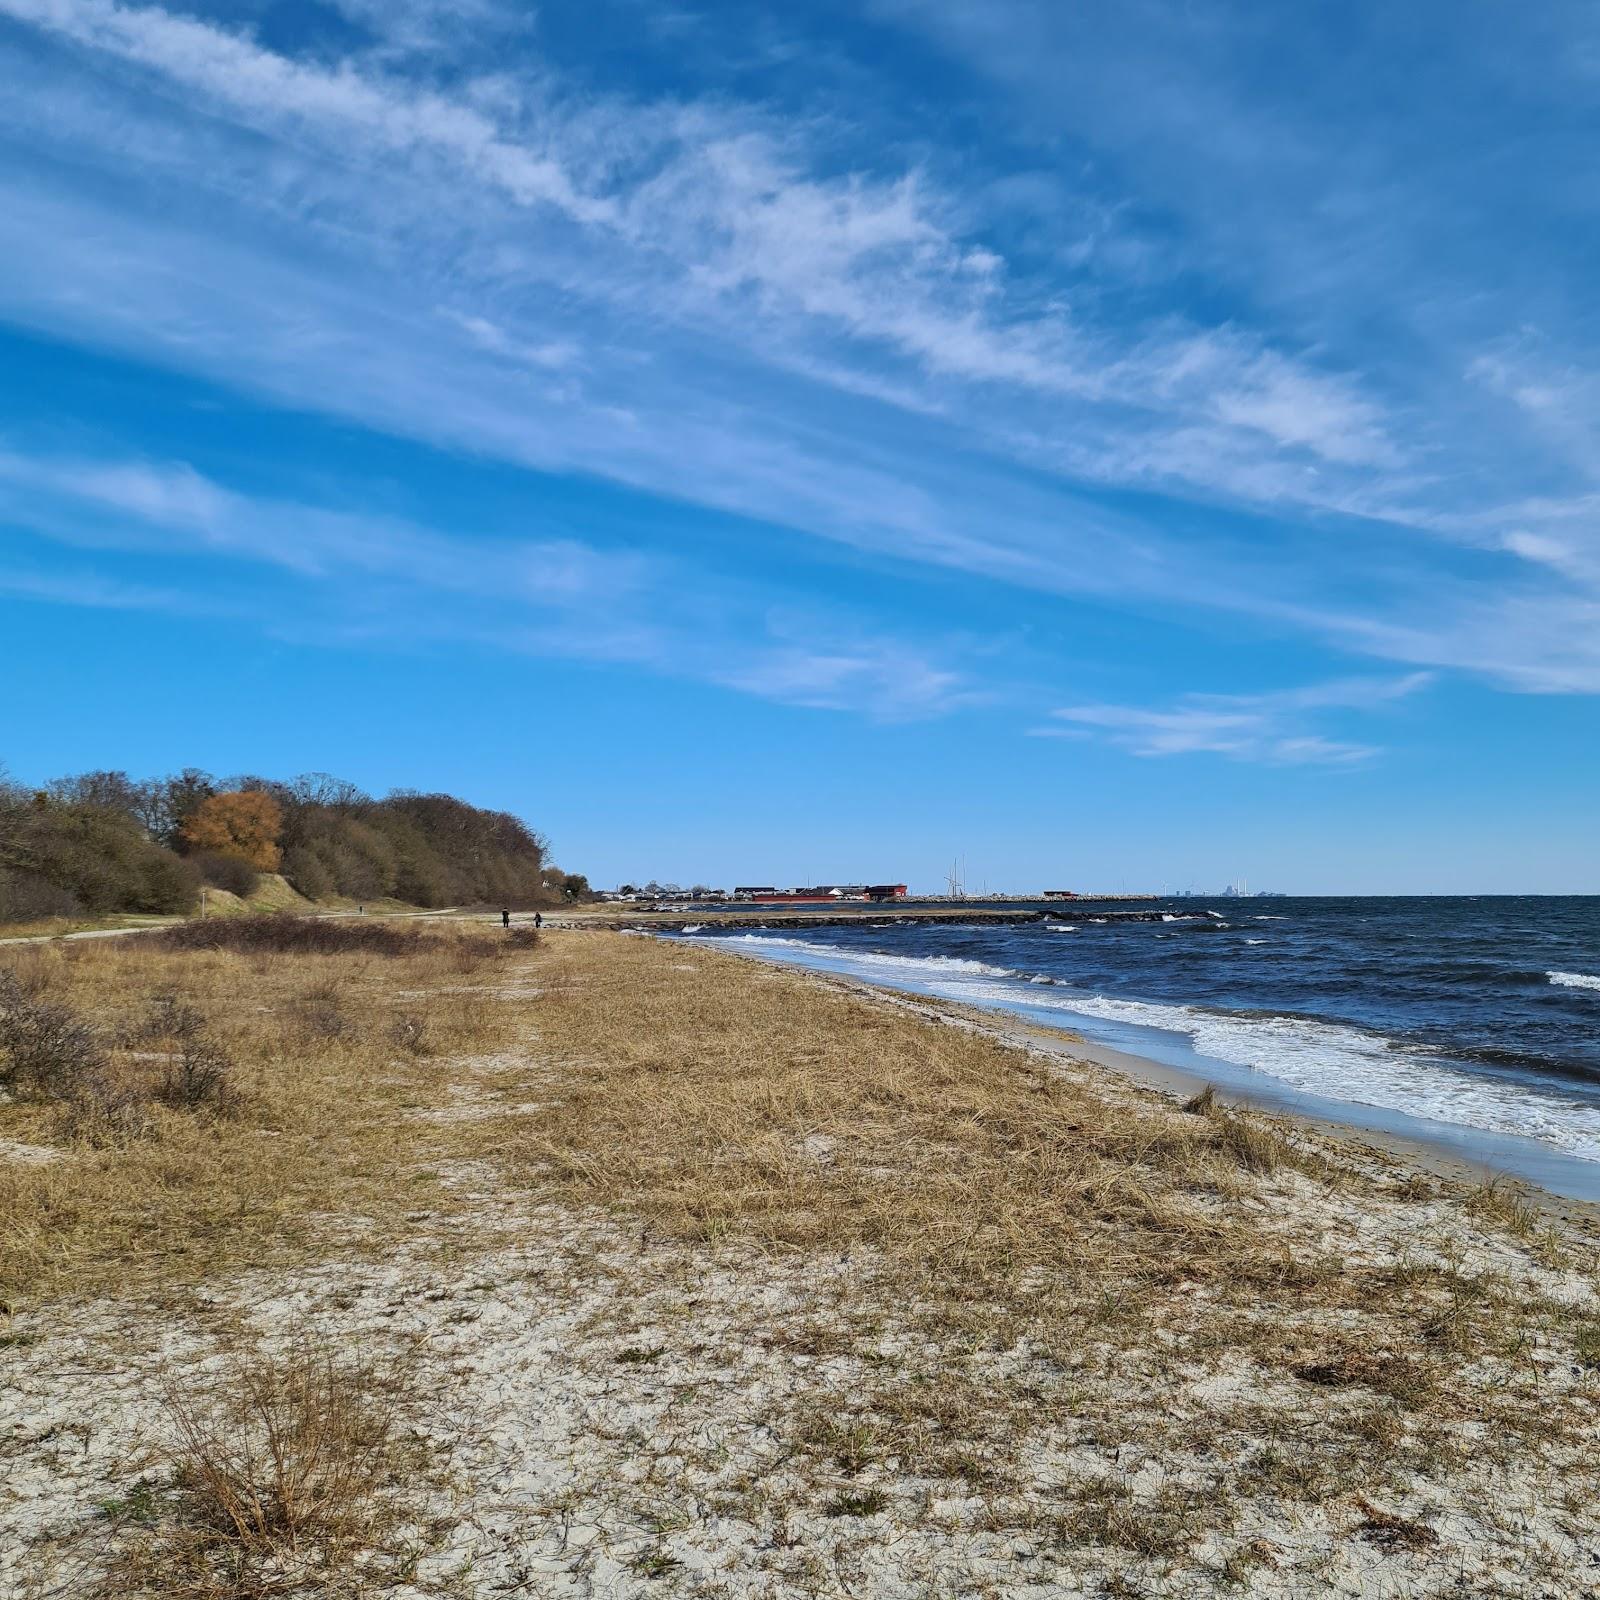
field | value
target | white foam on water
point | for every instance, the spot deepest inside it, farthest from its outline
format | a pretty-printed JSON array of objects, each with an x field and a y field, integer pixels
[
  {"x": 871, "y": 961},
  {"x": 694, "y": 927},
  {"x": 1574, "y": 980},
  {"x": 1061, "y": 927},
  {"x": 1255, "y": 941},
  {"x": 1321, "y": 1058}
]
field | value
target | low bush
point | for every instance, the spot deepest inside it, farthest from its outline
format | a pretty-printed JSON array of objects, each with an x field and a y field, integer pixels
[
  {"x": 281, "y": 934},
  {"x": 319, "y": 1015},
  {"x": 98, "y": 859},
  {"x": 27, "y": 897},
  {"x": 46, "y": 1051},
  {"x": 226, "y": 872},
  {"x": 196, "y": 1072}
]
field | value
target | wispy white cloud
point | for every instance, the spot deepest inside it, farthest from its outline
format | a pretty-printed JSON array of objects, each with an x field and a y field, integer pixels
[
  {"x": 778, "y": 259},
  {"x": 1265, "y": 728},
  {"x": 532, "y": 595},
  {"x": 700, "y": 297},
  {"x": 269, "y": 88}
]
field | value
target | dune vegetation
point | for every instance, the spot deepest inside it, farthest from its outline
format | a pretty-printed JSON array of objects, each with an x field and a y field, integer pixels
[{"x": 417, "y": 1259}]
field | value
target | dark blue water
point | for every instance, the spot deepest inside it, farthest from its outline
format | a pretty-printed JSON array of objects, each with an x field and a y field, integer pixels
[{"x": 1475, "y": 1017}]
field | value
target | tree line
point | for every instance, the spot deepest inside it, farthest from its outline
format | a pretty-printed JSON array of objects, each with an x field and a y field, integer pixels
[{"x": 100, "y": 842}]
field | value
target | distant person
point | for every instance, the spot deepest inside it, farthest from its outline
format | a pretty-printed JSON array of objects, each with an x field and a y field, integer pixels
[
  {"x": 538, "y": 919},
  {"x": 505, "y": 919}
]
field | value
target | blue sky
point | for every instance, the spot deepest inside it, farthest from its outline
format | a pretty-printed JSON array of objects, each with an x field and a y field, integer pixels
[{"x": 1141, "y": 443}]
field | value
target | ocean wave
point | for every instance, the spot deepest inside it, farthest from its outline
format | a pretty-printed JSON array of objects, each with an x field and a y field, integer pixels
[
  {"x": 1330, "y": 1060},
  {"x": 1344, "y": 1063},
  {"x": 1574, "y": 980},
  {"x": 874, "y": 960}
]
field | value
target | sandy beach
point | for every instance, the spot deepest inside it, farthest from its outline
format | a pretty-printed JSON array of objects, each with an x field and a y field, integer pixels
[{"x": 636, "y": 1268}]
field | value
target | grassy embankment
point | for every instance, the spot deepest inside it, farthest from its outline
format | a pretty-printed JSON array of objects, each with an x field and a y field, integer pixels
[{"x": 764, "y": 1285}]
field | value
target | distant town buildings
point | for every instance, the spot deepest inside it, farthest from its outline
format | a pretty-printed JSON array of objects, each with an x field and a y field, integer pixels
[
  {"x": 821, "y": 893},
  {"x": 758, "y": 894}
]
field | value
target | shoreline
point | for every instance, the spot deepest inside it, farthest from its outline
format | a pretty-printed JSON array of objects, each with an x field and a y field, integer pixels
[{"x": 1437, "y": 1156}]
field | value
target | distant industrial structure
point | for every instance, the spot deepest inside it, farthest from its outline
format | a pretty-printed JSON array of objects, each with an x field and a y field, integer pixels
[{"x": 1234, "y": 891}]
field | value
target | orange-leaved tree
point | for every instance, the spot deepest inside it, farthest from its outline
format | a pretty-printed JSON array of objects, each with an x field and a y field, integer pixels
[{"x": 245, "y": 823}]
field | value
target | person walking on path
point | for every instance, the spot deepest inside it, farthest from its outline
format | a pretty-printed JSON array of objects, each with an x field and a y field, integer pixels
[
  {"x": 505, "y": 919},
  {"x": 538, "y": 919}
]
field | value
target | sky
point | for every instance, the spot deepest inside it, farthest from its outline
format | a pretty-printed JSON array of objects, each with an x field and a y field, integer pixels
[{"x": 1136, "y": 445}]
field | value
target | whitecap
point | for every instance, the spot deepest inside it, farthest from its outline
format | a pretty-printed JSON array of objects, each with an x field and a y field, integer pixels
[{"x": 1574, "y": 980}]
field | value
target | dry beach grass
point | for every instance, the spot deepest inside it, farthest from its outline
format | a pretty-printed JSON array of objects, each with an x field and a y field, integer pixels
[{"x": 686, "y": 1274}]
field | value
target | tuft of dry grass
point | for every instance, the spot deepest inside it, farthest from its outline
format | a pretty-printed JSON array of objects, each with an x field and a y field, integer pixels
[
  {"x": 283, "y": 1472},
  {"x": 1508, "y": 1204}
]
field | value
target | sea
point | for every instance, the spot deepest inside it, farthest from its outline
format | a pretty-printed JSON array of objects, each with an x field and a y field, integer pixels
[{"x": 1471, "y": 1023}]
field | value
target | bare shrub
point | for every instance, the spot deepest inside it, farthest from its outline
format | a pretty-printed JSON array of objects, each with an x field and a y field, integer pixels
[
  {"x": 198, "y": 1074},
  {"x": 468, "y": 955},
  {"x": 279, "y": 933},
  {"x": 282, "y": 934},
  {"x": 232, "y": 873},
  {"x": 319, "y": 1016},
  {"x": 27, "y": 897},
  {"x": 46, "y": 1050},
  {"x": 1203, "y": 1104}
]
